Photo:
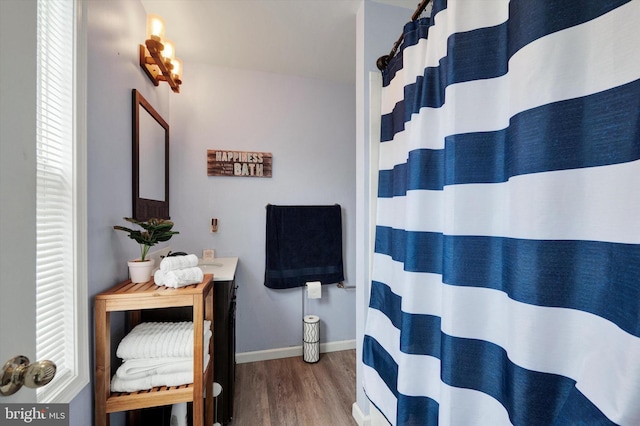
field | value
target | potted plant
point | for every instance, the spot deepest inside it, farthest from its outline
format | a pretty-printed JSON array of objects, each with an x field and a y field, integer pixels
[{"x": 153, "y": 231}]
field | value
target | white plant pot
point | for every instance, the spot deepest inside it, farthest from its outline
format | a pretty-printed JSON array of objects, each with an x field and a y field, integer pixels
[{"x": 140, "y": 272}]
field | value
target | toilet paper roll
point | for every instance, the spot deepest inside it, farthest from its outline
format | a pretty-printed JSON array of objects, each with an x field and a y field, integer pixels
[
  {"x": 314, "y": 289},
  {"x": 311, "y": 352},
  {"x": 311, "y": 339},
  {"x": 311, "y": 328},
  {"x": 179, "y": 414}
]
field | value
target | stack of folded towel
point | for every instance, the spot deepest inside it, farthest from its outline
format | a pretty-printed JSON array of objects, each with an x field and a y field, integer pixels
[
  {"x": 158, "y": 354},
  {"x": 179, "y": 271}
]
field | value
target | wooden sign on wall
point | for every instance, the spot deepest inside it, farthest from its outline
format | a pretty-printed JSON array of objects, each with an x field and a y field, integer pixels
[{"x": 238, "y": 163}]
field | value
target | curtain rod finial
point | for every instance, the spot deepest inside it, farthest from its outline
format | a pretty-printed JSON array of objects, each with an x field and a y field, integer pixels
[{"x": 383, "y": 62}]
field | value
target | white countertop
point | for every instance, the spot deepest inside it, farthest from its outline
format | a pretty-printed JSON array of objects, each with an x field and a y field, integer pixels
[{"x": 222, "y": 268}]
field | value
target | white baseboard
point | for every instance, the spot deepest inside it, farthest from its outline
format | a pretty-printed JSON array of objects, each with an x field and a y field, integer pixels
[
  {"x": 244, "y": 357},
  {"x": 376, "y": 418},
  {"x": 359, "y": 416}
]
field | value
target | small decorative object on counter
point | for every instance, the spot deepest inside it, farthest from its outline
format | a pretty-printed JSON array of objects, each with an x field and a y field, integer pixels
[{"x": 208, "y": 255}]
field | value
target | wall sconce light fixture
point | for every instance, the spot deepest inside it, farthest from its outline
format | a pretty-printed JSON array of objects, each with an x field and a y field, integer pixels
[{"x": 157, "y": 56}]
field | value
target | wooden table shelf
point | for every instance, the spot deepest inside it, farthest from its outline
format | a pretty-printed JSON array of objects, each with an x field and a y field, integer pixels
[{"x": 134, "y": 298}]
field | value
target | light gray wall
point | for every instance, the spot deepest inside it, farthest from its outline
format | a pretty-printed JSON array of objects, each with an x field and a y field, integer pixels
[
  {"x": 309, "y": 127},
  {"x": 378, "y": 27},
  {"x": 115, "y": 28}
]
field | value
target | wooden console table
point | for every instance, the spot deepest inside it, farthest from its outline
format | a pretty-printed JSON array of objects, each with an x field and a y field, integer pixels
[{"x": 133, "y": 298}]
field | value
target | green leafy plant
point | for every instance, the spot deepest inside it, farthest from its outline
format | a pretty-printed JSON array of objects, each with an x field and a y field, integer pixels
[{"x": 153, "y": 231}]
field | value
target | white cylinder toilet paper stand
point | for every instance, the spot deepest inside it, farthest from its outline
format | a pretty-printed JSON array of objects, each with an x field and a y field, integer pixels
[
  {"x": 217, "y": 390},
  {"x": 311, "y": 339}
]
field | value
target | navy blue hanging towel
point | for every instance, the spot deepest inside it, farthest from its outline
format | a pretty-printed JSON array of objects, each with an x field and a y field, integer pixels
[{"x": 303, "y": 243}]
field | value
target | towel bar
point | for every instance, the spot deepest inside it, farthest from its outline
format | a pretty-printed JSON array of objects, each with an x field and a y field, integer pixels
[
  {"x": 341, "y": 285},
  {"x": 269, "y": 204}
]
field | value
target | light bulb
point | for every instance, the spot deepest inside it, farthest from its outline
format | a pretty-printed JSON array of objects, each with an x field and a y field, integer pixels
[
  {"x": 169, "y": 51},
  {"x": 177, "y": 69},
  {"x": 155, "y": 27}
]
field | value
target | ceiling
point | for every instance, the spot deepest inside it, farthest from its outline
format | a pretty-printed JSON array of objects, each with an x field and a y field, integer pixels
[{"x": 308, "y": 38}]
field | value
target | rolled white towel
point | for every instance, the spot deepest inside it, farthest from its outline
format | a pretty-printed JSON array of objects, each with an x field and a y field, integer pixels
[
  {"x": 183, "y": 277},
  {"x": 171, "y": 263},
  {"x": 158, "y": 277}
]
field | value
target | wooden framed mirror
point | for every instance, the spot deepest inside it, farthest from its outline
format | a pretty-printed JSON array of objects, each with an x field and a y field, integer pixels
[{"x": 150, "y": 161}]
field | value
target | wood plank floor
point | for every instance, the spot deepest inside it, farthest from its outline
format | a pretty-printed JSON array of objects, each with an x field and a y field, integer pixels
[{"x": 291, "y": 392}]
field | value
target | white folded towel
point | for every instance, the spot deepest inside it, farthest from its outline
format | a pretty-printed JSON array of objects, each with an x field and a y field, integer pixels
[
  {"x": 139, "y": 368},
  {"x": 119, "y": 384},
  {"x": 160, "y": 340},
  {"x": 171, "y": 263}
]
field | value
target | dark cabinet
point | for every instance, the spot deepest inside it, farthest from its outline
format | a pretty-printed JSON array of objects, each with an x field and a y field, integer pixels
[{"x": 224, "y": 336}]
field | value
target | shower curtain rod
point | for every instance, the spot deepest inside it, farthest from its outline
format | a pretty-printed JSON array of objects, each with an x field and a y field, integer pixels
[{"x": 383, "y": 61}]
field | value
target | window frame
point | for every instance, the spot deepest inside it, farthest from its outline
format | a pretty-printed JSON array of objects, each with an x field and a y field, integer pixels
[{"x": 66, "y": 388}]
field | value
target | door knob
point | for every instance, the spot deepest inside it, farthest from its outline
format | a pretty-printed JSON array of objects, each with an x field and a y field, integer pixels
[{"x": 18, "y": 371}]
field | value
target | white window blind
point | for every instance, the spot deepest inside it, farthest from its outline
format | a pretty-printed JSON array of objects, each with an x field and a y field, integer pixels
[{"x": 61, "y": 321}]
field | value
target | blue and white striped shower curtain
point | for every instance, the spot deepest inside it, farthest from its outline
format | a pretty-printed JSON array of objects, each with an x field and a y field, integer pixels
[{"x": 506, "y": 274}]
